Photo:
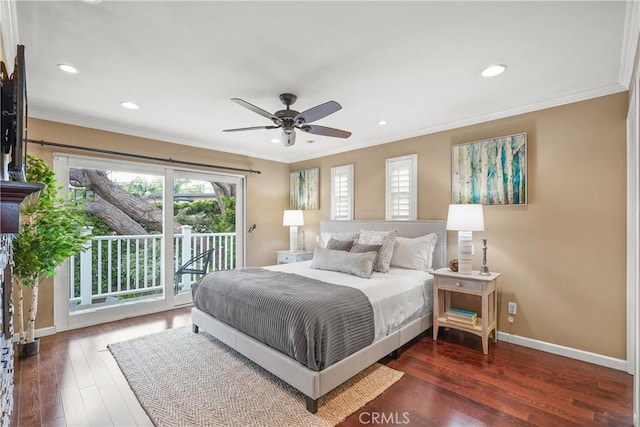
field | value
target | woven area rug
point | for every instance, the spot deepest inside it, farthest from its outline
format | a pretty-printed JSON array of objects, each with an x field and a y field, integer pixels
[{"x": 187, "y": 379}]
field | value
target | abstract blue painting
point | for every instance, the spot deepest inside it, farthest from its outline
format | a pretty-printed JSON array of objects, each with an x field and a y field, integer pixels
[
  {"x": 303, "y": 187},
  {"x": 491, "y": 171}
]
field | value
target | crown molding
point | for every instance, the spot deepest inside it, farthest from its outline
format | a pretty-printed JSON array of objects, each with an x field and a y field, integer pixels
[
  {"x": 293, "y": 158},
  {"x": 114, "y": 127},
  {"x": 551, "y": 103},
  {"x": 629, "y": 42}
]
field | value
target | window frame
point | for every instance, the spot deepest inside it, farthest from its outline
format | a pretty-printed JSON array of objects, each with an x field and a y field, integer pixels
[
  {"x": 342, "y": 171},
  {"x": 393, "y": 164}
]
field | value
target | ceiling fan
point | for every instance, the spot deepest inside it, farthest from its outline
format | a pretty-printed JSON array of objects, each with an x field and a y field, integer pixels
[{"x": 289, "y": 119}]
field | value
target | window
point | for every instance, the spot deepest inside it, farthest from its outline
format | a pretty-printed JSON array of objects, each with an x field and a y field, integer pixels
[
  {"x": 342, "y": 192},
  {"x": 402, "y": 188}
]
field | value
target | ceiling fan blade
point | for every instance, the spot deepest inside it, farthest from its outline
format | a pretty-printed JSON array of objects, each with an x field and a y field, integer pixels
[
  {"x": 318, "y": 112},
  {"x": 255, "y": 109},
  {"x": 323, "y": 130},
  {"x": 250, "y": 128}
]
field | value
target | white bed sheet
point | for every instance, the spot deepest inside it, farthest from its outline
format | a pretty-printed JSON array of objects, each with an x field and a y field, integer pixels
[{"x": 397, "y": 297}]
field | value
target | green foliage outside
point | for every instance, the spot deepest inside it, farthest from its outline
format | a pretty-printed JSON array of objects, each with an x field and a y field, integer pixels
[
  {"x": 204, "y": 216},
  {"x": 143, "y": 187},
  {"x": 130, "y": 271}
]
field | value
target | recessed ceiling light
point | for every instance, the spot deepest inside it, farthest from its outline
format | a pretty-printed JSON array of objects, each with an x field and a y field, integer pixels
[
  {"x": 130, "y": 105},
  {"x": 68, "y": 68},
  {"x": 493, "y": 70},
  {"x": 382, "y": 122},
  {"x": 275, "y": 141}
]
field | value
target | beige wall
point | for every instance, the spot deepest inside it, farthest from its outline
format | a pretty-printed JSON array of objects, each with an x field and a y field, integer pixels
[
  {"x": 563, "y": 255},
  {"x": 267, "y": 193}
]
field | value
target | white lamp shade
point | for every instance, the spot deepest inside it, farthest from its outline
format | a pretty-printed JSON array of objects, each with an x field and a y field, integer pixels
[
  {"x": 465, "y": 218},
  {"x": 292, "y": 218}
]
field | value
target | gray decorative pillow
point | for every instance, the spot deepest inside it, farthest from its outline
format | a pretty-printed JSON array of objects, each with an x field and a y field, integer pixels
[
  {"x": 340, "y": 245},
  {"x": 385, "y": 238},
  {"x": 358, "y": 264},
  {"x": 360, "y": 248},
  {"x": 325, "y": 236}
]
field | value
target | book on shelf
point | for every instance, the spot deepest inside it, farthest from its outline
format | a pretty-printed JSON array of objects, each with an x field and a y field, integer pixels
[
  {"x": 461, "y": 311},
  {"x": 462, "y": 315},
  {"x": 467, "y": 323}
]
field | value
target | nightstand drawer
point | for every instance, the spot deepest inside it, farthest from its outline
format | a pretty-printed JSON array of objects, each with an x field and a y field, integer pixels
[
  {"x": 459, "y": 284},
  {"x": 286, "y": 258}
]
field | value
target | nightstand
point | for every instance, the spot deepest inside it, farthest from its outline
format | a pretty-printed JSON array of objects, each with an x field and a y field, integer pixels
[
  {"x": 286, "y": 257},
  {"x": 446, "y": 282}
]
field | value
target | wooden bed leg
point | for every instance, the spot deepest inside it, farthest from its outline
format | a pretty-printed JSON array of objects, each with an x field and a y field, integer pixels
[
  {"x": 195, "y": 328},
  {"x": 312, "y": 404}
]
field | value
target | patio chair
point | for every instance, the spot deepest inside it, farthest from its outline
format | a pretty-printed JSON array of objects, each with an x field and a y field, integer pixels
[{"x": 199, "y": 264}]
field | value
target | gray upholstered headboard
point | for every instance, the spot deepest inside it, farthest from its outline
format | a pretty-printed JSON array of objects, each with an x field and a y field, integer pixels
[{"x": 405, "y": 228}]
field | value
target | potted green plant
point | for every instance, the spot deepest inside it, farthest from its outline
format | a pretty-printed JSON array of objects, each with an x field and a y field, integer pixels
[{"x": 51, "y": 231}]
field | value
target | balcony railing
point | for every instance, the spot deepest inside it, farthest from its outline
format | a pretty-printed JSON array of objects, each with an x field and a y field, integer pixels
[{"x": 114, "y": 268}]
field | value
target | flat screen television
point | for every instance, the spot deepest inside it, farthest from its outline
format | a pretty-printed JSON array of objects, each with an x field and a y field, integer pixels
[{"x": 13, "y": 139}]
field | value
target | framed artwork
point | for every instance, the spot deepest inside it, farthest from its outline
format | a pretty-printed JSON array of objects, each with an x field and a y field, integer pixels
[
  {"x": 303, "y": 188},
  {"x": 490, "y": 172}
]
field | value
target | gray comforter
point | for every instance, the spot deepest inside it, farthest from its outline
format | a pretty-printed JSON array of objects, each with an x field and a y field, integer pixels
[{"x": 314, "y": 322}]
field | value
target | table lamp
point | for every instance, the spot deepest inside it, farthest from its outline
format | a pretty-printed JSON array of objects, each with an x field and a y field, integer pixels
[
  {"x": 465, "y": 219},
  {"x": 293, "y": 219}
]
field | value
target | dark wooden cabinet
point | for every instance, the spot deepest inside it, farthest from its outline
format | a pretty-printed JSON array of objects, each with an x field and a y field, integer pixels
[{"x": 11, "y": 195}]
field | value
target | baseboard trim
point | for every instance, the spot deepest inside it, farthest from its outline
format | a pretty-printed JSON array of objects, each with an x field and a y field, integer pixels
[
  {"x": 573, "y": 353},
  {"x": 51, "y": 330}
]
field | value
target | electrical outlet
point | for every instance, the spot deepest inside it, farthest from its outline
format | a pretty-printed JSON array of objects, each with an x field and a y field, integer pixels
[{"x": 513, "y": 308}]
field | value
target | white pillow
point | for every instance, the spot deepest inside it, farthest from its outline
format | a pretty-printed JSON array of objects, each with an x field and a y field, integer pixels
[
  {"x": 384, "y": 238},
  {"x": 358, "y": 264},
  {"x": 325, "y": 236},
  {"x": 416, "y": 253}
]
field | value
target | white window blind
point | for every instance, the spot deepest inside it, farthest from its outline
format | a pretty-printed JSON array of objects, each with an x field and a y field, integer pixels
[
  {"x": 342, "y": 192},
  {"x": 402, "y": 188}
]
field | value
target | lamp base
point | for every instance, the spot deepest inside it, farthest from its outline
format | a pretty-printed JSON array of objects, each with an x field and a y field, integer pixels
[
  {"x": 293, "y": 238},
  {"x": 465, "y": 252},
  {"x": 484, "y": 271}
]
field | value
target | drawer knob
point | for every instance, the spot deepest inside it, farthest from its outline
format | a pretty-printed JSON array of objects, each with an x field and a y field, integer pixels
[{"x": 457, "y": 283}]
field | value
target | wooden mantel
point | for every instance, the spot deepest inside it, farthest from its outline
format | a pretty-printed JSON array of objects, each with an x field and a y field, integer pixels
[{"x": 12, "y": 193}]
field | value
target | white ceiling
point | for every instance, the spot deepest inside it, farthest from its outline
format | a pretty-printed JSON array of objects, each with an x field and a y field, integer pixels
[{"x": 415, "y": 64}]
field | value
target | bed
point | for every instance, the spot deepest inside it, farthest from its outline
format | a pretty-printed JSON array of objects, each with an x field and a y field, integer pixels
[{"x": 315, "y": 378}]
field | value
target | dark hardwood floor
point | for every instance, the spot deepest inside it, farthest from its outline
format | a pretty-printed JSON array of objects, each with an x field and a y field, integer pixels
[{"x": 74, "y": 381}]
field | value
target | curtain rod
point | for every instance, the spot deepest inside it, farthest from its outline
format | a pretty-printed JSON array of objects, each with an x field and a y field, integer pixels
[{"x": 140, "y": 156}]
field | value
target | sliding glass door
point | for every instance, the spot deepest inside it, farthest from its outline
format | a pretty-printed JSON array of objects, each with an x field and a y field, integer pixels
[
  {"x": 154, "y": 231},
  {"x": 205, "y": 208}
]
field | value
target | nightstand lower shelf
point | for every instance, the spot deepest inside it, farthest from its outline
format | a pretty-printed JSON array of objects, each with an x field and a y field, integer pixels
[
  {"x": 443, "y": 322},
  {"x": 447, "y": 282}
]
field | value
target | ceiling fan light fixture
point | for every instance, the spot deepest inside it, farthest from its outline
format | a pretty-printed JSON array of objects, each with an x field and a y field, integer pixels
[
  {"x": 493, "y": 70},
  {"x": 288, "y": 137},
  {"x": 288, "y": 120}
]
